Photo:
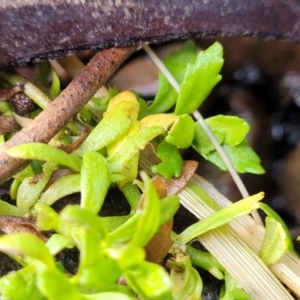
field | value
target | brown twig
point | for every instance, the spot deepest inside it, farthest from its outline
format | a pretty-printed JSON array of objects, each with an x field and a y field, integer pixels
[{"x": 64, "y": 107}]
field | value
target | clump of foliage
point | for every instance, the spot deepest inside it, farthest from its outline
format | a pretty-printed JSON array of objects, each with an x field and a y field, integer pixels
[{"x": 102, "y": 148}]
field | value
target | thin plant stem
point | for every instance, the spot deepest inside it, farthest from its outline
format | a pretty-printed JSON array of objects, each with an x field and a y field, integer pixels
[
  {"x": 30, "y": 89},
  {"x": 236, "y": 178}
]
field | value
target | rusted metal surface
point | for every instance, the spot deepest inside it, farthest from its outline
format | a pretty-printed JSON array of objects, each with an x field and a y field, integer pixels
[{"x": 42, "y": 29}]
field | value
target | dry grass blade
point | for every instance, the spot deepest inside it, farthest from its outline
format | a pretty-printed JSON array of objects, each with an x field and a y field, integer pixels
[{"x": 287, "y": 269}]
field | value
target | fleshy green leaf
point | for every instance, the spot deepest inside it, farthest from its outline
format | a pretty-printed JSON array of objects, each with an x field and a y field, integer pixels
[
  {"x": 232, "y": 290},
  {"x": 30, "y": 191},
  {"x": 182, "y": 132},
  {"x": 199, "y": 79},
  {"x": 63, "y": 186},
  {"x": 148, "y": 280},
  {"x": 124, "y": 232},
  {"x": 275, "y": 242},
  {"x": 24, "y": 280},
  {"x": 58, "y": 242},
  {"x": 132, "y": 195},
  {"x": 79, "y": 216},
  {"x": 125, "y": 159},
  {"x": 115, "y": 123},
  {"x": 12, "y": 210},
  {"x": 149, "y": 217},
  {"x": 172, "y": 163},
  {"x": 40, "y": 151},
  {"x": 55, "y": 285},
  {"x": 272, "y": 214},
  {"x": 55, "y": 85},
  {"x": 108, "y": 296},
  {"x": 47, "y": 217},
  {"x": 168, "y": 208},
  {"x": 26, "y": 245},
  {"x": 242, "y": 157},
  {"x": 95, "y": 181},
  {"x": 176, "y": 63},
  {"x": 221, "y": 217}
]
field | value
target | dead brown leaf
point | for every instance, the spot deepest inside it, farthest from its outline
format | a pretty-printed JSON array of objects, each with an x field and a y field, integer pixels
[
  {"x": 13, "y": 224},
  {"x": 176, "y": 184},
  {"x": 160, "y": 244},
  {"x": 72, "y": 147},
  {"x": 7, "y": 124}
]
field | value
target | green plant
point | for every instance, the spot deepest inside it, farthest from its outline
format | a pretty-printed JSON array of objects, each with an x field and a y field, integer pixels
[{"x": 113, "y": 249}]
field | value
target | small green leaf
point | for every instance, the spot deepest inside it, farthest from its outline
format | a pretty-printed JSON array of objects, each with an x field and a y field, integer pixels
[
  {"x": 176, "y": 63},
  {"x": 134, "y": 143},
  {"x": 87, "y": 219},
  {"x": 221, "y": 217},
  {"x": 168, "y": 207},
  {"x": 272, "y": 214},
  {"x": 149, "y": 217},
  {"x": 40, "y": 151},
  {"x": 182, "y": 132},
  {"x": 12, "y": 210},
  {"x": 124, "y": 232},
  {"x": 127, "y": 255},
  {"x": 95, "y": 181},
  {"x": 148, "y": 280},
  {"x": 114, "y": 125},
  {"x": 63, "y": 186},
  {"x": 199, "y": 79},
  {"x": 20, "y": 285},
  {"x": 233, "y": 128},
  {"x": 99, "y": 275},
  {"x": 108, "y": 296},
  {"x": 55, "y": 285},
  {"x": 143, "y": 107},
  {"x": 132, "y": 195},
  {"x": 58, "y": 242},
  {"x": 232, "y": 290},
  {"x": 26, "y": 245},
  {"x": 202, "y": 143},
  {"x": 172, "y": 163},
  {"x": 275, "y": 242},
  {"x": 30, "y": 191},
  {"x": 242, "y": 157},
  {"x": 187, "y": 283},
  {"x": 47, "y": 217},
  {"x": 55, "y": 85}
]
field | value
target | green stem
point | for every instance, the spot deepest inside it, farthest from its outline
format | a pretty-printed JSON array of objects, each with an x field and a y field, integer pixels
[{"x": 30, "y": 89}]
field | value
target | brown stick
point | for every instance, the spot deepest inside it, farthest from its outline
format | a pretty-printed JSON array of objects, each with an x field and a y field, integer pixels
[{"x": 64, "y": 107}]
